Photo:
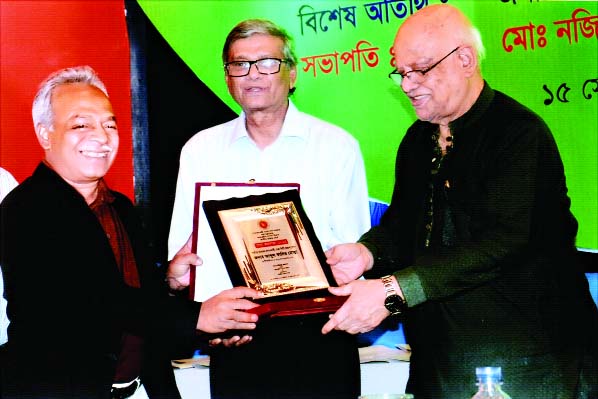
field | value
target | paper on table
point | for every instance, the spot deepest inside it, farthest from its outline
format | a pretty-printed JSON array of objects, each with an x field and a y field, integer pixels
[
  {"x": 368, "y": 354},
  {"x": 202, "y": 361},
  {"x": 381, "y": 353}
]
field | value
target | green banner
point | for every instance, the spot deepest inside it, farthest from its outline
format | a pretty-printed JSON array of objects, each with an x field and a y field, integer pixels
[{"x": 543, "y": 53}]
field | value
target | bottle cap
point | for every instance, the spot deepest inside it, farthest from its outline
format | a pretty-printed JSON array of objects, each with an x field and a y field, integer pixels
[{"x": 488, "y": 373}]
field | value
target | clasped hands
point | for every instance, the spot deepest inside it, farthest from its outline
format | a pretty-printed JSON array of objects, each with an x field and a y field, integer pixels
[
  {"x": 222, "y": 312},
  {"x": 362, "y": 311}
]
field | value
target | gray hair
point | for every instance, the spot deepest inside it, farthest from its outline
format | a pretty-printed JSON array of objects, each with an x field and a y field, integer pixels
[
  {"x": 475, "y": 38},
  {"x": 42, "y": 103},
  {"x": 252, "y": 27}
]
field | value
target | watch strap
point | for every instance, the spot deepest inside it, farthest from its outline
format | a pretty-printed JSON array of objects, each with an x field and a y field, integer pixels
[{"x": 388, "y": 285}]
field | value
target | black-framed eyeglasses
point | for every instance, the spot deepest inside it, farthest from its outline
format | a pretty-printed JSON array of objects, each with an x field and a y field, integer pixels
[
  {"x": 265, "y": 66},
  {"x": 417, "y": 75}
]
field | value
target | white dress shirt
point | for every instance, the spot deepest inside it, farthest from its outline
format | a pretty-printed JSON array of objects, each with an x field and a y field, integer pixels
[{"x": 324, "y": 159}]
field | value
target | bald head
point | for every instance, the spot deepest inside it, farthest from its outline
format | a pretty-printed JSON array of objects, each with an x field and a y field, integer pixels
[
  {"x": 439, "y": 26},
  {"x": 437, "y": 21}
]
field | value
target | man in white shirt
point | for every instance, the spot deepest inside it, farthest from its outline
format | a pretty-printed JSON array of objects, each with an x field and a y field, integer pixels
[
  {"x": 7, "y": 183},
  {"x": 271, "y": 141}
]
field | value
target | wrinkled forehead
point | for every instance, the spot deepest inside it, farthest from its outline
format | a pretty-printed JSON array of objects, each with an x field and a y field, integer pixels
[
  {"x": 422, "y": 39},
  {"x": 72, "y": 98}
]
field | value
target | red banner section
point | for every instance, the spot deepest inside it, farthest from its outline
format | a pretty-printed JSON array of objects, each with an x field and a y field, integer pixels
[{"x": 39, "y": 37}]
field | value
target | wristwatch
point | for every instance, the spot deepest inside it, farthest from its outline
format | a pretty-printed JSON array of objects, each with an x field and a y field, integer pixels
[{"x": 393, "y": 302}]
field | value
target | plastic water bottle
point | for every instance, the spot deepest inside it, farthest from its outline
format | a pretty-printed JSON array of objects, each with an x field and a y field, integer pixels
[{"x": 489, "y": 383}]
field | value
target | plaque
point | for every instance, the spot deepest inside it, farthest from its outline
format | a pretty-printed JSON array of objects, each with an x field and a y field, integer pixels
[
  {"x": 268, "y": 244},
  {"x": 212, "y": 277}
]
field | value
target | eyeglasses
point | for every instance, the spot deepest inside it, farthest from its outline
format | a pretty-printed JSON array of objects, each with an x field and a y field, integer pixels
[
  {"x": 265, "y": 66},
  {"x": 416, "y": 75}
]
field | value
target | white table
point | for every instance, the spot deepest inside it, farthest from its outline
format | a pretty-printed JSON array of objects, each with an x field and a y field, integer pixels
[{"x": 382, "y": 377}]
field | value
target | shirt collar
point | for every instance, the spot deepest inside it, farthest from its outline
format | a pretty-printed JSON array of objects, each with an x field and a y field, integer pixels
[
  {"x": 104, "y": 195},
  {"x": 292, "y": 126}
]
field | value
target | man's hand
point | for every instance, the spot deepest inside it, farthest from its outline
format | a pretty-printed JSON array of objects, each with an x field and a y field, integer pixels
[
  {"x": 226, "y": 311},
  {"x": 179, "y": 268},
  {"x": 232, "y": 341},
  {"x": 363, "y": 310},
  {"x": 349, "y": 261}
]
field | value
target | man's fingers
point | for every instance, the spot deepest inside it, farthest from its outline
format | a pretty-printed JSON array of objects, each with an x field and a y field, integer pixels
[
  {"x": 231, "y": 324},
  {"x": 244, "y": 317},
  {"x": 330, "y": 325},
  {"x": 244, "y": 340},
  {"x": 185, "y": 260},
  {"x": 189, "y": 259},
  {"x": 242, "y": 292},
  {"x": 244, "y": 304},
  {"x": 335, "y": 319},
  {"x": 331, "y": 258},
  {"x": 337, "y": 254},
  {"x": 228, "y": 342},
  {"x": 344, "y": 290}
]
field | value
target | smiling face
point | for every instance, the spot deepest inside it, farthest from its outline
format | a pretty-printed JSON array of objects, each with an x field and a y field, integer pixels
[
  {"x": 449, "y": 89},
  {"x": 83, "y": 141},
  {"x": 257, "y": 92}
]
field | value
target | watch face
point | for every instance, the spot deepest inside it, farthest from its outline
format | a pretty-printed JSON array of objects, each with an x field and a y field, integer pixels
[{"x": 395, "y": 304}]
